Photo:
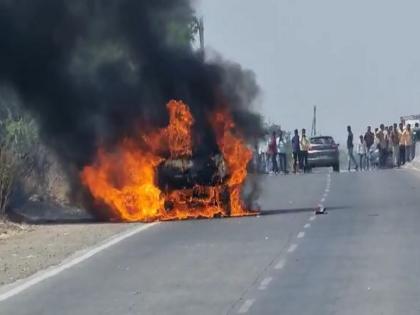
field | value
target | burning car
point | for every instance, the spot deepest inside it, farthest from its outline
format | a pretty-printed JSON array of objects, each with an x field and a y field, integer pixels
[
  {"x": 196, "y": 183},
  {"x": 157, "y": 177}
]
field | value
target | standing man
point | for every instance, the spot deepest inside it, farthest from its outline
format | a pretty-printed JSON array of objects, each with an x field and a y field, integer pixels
[
  {"x": 395, "y": 142},
  {"x": 416, "y": 137},
  {"x": 304, "y": 147},
  {"x": 350, "y": 147},
  {"x": 382, "y": 137},
  {"x": 369, "y": 140},
  {"x": 281, "y": 149},
  {"x": 262, "y": 151},
  {"x": 409, "y": 143},
  {"x": 272, "y": 149},
  {"x": 295, "y": 150},
  {"x": 361, "y": 150},
  {"x": 402, "y": 145}
]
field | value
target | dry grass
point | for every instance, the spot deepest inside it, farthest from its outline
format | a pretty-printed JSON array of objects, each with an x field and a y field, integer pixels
[{"x": 9, "y": 229}]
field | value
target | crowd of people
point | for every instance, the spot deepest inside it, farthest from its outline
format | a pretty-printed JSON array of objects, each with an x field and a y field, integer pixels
[
  {"x": 383, "y": 147},
  {"x": 272, "y": 157},
  {"x": 386, "y": 146}
]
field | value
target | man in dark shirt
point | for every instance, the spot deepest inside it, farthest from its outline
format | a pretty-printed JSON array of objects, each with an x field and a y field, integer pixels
[
  {"x": 272, "y": 150},
  {"x": 350, "y": 148},
  {"x": 402, "y": 157},
  {"x": 416, "y": 137},
  {"x": 295, "y": 150},
  {"x": 369, "y": 140}
]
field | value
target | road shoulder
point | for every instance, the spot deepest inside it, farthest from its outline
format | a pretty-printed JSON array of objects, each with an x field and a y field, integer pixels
[{"x": 26, "y": 249}]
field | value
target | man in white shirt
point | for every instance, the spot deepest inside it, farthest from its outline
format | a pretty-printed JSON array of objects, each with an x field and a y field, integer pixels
[
  {"x": 281, "y": 150},
  {"x": 361, "y": 151}
]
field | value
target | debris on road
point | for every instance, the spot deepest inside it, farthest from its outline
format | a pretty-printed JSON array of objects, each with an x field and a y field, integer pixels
[{"x": 320, "y": 210}]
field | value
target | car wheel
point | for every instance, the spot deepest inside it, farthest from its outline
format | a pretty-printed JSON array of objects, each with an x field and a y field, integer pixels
[{"x": 336, "y": 167}]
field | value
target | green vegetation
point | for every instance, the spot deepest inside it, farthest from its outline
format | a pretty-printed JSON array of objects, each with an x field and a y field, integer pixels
[{"x": 18, "y": 137}]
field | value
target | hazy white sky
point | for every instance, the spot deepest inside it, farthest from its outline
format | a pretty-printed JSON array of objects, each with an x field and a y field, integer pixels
[{"x": 358, "y": 60}]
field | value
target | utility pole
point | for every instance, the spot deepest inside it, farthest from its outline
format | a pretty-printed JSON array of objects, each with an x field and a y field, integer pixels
[
  {"x": 313, "y": 131},
  {"x": 201, "y": 33},
  {"x": 200, "y": 26}
]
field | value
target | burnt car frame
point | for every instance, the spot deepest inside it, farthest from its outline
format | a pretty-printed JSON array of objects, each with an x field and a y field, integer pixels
[{"x": 196, "y": 179}]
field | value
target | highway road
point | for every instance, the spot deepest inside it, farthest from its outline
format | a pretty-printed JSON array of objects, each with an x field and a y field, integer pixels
[{"x": 361, "y": 257}]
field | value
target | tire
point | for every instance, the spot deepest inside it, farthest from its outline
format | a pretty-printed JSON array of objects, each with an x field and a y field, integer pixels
[{"x": 336, "y": 167}]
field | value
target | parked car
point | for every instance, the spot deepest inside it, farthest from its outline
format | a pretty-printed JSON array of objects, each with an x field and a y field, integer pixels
[{"x": 324, "y": 153}]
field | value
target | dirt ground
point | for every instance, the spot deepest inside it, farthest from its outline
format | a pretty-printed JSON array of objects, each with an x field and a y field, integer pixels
[{"x": 26, "y": 249}]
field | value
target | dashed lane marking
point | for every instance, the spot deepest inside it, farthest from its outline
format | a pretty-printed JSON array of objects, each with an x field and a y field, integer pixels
[
  {"x": 246, "y": 306},
  {"x": 292, "y": 248},
  {"x": 264, "y": 283},
  {"x": 280, "y": 264}
]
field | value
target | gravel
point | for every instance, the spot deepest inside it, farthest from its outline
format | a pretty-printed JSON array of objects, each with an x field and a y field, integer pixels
[{"x": 26, "y": 249}]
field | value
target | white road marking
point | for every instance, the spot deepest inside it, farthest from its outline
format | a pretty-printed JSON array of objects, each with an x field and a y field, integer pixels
[
  {"x": 322, "y": 199},
  {"x": 246, "y": 306},
  {"x": 307, "y": 225},
  {"x": 292, "y": 248},
  {"x": 10, "y": 290},
  {"x": 301, "y": 235},
  {"x": 280, "y": 264},
  {"x": 312, "y": 218},
  {"x": 325, "y": 195},
  {"x": 327, "y": 190},
  {"x": 264, "y": 283}
]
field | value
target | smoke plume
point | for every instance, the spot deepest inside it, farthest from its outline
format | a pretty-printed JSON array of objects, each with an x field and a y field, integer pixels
[{"x": 92, "y": 72}]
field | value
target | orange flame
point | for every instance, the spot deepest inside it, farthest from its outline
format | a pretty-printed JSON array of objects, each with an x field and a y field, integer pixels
[
  {"x": 125, "y": 179},
  {"x": 237, "y": 156},
  {"x": 179, "y": 130}
]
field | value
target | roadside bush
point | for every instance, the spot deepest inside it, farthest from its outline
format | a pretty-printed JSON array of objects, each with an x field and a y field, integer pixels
[
  {"x": 18, "y": 142},
  {"x": 28, "y": 169}
]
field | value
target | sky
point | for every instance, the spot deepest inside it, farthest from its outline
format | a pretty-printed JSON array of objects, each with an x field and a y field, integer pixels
[{"x": 358, "y": 61}]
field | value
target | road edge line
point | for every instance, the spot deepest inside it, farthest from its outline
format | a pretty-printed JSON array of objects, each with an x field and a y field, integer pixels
[{"x": 9, "y": 290}]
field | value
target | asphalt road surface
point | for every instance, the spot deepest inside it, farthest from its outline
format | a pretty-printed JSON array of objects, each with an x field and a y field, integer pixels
[{"x": 362, "y": 257}]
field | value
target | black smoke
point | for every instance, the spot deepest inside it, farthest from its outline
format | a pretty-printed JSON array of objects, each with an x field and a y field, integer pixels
[{"x": 92, "y": 71}]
